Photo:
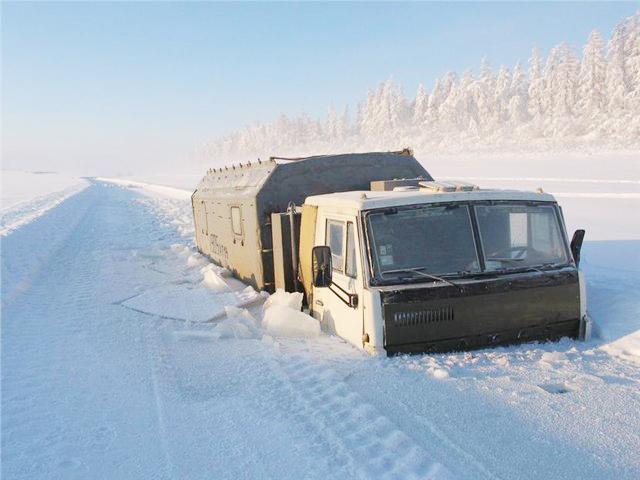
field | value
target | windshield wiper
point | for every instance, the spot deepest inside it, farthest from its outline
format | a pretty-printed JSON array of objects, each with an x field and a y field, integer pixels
[
  {"x": 535, "y": 268},
  {"x": 545, "y": 266},
  {"x": 419, "y": 271},
  {"x": 506, "y": 260}
]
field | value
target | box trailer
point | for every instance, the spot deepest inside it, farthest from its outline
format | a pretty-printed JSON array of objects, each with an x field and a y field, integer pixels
[{"x": 391, "y": 260}]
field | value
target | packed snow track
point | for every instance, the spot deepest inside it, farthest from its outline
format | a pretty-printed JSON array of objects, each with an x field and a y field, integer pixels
[{"x": 103, "y": 377}]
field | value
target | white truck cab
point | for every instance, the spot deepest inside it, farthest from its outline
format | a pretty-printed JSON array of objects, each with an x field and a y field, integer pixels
[{"x": 444, "y": 267}]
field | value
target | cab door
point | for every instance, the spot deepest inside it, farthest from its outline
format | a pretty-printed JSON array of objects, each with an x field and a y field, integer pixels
[{"x": 339, "y": 307}]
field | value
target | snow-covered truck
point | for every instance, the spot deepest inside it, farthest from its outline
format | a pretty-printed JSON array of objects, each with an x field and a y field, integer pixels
[{"x": 391, "y": 260}]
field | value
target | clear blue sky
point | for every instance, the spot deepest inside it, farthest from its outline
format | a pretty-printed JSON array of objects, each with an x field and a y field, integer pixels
[{"x": 118, "y": 87}]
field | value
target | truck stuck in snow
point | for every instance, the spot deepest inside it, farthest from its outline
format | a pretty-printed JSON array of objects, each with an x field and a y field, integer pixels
[{"x": 391, "y": 260}]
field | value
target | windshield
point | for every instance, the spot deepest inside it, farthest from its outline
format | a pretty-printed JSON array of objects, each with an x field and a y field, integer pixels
[
  {"x": 517, "y": 235},
  {"x": 433, "y": 239}
]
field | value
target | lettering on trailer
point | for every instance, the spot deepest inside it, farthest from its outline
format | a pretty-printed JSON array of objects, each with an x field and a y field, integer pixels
[{"x": 218, "y": 248}]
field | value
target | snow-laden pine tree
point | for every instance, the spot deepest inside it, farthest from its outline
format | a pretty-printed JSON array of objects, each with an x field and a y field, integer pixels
[
  {"x": 448, "y": 112},
  {"x": 331, "y": 124},
  {"x": 616, "y": 71},
  {"x": 632, "y": 62},
  {"x": 502, "y": 95},
  {"x": 484, "y": 95},
  {"x": 448, "y": 81},
  {"x": 420, "y": 106},
  {"x": 519, "y": 96},
  {"x": 366, "y": 120},
  {"x": 568, "y": 71},
  {"x": 592, "y": 81},
  {"x": 344, "y": 125},
  {"x": 561, "y": 78},
  {"x": 466, "y": 108},
  {"x": 536, "y": 105},
  {"x": 399, "y": 109},
  {"x": 435, "y": 101}
]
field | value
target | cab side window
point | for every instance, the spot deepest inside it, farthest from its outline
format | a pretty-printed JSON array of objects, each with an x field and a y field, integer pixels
[
  {"x": 350, "y": 267},
  {"x": 334, "y": 238}
]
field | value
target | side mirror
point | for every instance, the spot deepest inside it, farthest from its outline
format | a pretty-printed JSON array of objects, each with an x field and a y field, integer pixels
[
  {"x": 576, "y": 245},
  {"x": 321, "y": 266}
]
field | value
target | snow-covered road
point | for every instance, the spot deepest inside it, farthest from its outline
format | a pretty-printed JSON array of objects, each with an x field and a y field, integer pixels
[{"x": 92, "y": 388}]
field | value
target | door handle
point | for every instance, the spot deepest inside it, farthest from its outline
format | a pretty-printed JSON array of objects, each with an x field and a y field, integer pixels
[{"x": 319, "y": 302}]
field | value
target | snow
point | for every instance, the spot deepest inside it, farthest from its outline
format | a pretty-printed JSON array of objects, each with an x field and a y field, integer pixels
[
  {"x": 284, "y": 321},
  {"x": 118, "y": 362},
  {"x": 180, "y": 302},
  {"x": 239, "y": 323},
  {"x": 283, "y": 316},
  {"x": 212, "y": 278},
  {"x": 28, "y": 195},
  {"x": 150, "y": 188},
  {"x": 280, "y": 297}
]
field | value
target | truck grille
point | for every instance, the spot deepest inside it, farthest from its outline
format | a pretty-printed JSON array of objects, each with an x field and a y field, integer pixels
[{"x": 423, "y": 317}]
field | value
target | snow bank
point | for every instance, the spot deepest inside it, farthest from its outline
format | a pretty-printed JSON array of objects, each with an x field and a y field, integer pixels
[
  {"x": 283, "y": 318},
  {"x": 248, "y": 296},
  {"x": 280, "y": 297},
  {"x": 627, "y": 347},
  {"x": 176, "y": 179},
  {"x": 149, "y": 188},
  {"x": 212, "y": 278},
  {"x": 195, "y": 260},
  {"x": 239, "y": 323},
  {"x": 284, "y": 321},
  {"x": 26, "y": 196}
]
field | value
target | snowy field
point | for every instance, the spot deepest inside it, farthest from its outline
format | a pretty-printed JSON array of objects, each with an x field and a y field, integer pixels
[
  {"x": 118, "y": 360},
  {"x": 27, "y": 195}
]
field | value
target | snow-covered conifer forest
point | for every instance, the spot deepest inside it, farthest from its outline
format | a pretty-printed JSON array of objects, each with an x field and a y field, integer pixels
[{"x": 565, "y": 100}]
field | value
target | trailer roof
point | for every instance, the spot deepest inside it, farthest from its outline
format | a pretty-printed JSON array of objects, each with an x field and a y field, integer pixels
[
  {"x": 366, "y": 199},
  {"x": 317, "y": 174}
]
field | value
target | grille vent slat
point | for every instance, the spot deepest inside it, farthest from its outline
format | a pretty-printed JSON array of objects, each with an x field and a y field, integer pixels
[{"x": 423, "y": 317}]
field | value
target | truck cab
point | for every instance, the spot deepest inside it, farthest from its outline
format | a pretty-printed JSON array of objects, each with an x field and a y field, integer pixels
[{"x": 437, "y": 266}]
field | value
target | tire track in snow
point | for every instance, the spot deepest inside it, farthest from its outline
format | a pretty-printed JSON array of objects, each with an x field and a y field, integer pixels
[
  {"x": 447, "y": 446},
  {"x": 368, "y": 442},
  {"x": 435, "y": 431},
  {"x": 156, "y": 365}
]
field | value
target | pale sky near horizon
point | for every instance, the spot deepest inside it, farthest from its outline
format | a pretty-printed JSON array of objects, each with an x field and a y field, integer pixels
[{"x": 110, "y": 88}]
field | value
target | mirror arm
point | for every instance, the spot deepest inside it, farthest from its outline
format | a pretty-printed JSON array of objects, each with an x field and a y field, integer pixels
[{"x": 352, "y": 298}]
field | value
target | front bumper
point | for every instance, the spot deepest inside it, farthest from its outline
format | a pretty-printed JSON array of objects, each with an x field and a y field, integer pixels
[
  {"x": 551, "y": 332},
  {"x": 509, "y": 309}
]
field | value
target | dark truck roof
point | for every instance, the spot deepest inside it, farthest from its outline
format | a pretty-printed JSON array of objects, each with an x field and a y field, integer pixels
[{"x": 299, "y": 178}]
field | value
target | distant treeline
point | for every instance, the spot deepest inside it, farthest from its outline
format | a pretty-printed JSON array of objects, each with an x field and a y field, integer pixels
[{"x": 563, "y": 100}]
